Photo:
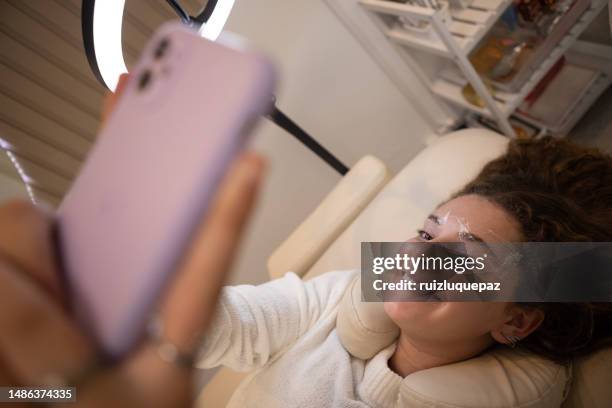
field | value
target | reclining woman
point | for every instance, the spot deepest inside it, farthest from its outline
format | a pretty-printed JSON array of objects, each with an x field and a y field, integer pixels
[{"x": 543, "y": 190}]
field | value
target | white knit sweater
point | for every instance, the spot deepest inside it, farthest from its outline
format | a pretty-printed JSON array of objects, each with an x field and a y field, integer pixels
[{"x": 285, "y": 330}]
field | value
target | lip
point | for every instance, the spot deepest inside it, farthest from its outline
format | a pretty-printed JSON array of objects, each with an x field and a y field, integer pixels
[{"x": 425, "y": 295}]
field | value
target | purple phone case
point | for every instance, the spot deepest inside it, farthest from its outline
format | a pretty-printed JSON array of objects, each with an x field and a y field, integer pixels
[{"x": 130, "y": 214}]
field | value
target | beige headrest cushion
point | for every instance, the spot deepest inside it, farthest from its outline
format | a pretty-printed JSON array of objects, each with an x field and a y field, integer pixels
[
  {"x": 363, "y": 327},
  {"x": 592, "y": 377},
  {"x": 500, "y": 378}
]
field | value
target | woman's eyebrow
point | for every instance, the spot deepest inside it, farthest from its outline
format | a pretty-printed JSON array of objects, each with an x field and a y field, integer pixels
[
  {"x": 434, "y": 218},
  {"x": 472, "y": 237}
]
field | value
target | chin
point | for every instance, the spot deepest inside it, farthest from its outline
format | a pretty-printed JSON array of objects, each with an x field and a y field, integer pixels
[{"x": 412, "y": 314}]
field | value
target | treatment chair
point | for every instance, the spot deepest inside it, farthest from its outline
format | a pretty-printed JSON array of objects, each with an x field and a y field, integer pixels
[{"x": 367, "y": 205}]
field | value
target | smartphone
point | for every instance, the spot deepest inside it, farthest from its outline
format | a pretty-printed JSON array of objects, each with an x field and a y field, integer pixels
[{"x": 187, "y": 109}]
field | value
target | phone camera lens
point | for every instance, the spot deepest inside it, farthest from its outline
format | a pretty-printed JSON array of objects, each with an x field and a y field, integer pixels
[
  {"x": 162, "y": 48},
  {"x": 145, "y": 80}
]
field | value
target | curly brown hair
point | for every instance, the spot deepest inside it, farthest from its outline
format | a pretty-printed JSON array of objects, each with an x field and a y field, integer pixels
[{"x": 558, "y": 192}]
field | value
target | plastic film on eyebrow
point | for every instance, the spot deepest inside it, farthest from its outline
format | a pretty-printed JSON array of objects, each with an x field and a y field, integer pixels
[
  {"x": 444, "y": 219},
  {"x": 464, "y": 227}
]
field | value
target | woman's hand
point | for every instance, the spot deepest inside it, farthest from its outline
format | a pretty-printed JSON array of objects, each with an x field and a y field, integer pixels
[{"x": 40, "y": 344}]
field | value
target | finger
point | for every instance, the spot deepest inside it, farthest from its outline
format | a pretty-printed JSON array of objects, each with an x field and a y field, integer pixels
[
  {"x": 5, "y": 375},
  {"x": 7, "y": 380},
  {"x": 142, "y": 381},
  {"x": 111, "y": 98},
  {"x": 38, "y": 340},
  {"x": 26, "y": 242},
  {"x": 193, "y": 295}
]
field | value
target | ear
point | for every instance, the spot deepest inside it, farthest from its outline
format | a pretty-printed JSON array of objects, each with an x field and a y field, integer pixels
[{"x": 521, "y": 322}]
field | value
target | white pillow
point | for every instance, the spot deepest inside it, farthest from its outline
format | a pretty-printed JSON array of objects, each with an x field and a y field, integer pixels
[{"x": 400, "y": 208}]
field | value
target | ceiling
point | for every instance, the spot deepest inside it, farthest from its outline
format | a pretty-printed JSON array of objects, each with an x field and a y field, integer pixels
[{"x": 50, "y": 99}]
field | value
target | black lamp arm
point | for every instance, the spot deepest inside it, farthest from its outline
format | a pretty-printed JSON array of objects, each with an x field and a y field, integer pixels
[
  {"x": 276, "y": 116},
  {"x": 179, "y": 10},
  {"x": 285, "y": 122},
  {"x": 197, "y": 20}
]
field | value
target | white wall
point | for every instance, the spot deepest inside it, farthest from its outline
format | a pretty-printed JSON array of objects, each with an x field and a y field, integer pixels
[{"x": 331, "y": 87}]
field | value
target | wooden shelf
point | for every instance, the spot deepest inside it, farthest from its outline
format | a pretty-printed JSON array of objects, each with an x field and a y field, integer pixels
[
  {"x": 508, "y": 102},
  {"x": 468, "y": 26},
  {"x": 454, "y": 34},
  {"x": 590, "y": 56}
]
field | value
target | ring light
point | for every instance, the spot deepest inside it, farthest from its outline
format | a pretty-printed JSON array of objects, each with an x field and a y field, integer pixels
[
  {"x": 211, "y": 29},
  {"x": 102, "y": 23}
]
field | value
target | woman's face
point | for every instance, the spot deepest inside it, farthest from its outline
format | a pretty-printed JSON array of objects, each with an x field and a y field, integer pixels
[{"x": 467, "y": 218}]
